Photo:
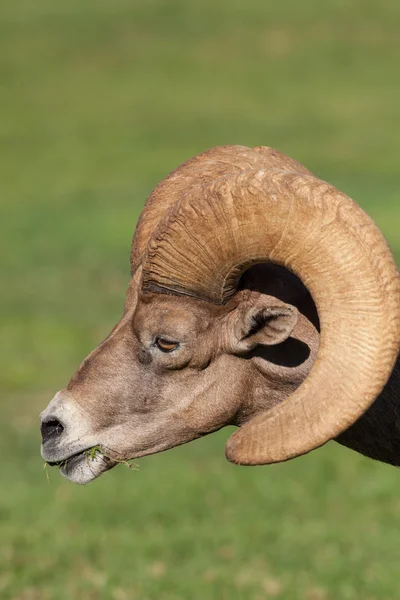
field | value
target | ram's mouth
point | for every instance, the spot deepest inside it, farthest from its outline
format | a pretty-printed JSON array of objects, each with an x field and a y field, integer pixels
[
  {"x": 84, "y": 466},
  {"x": 88, "y": 452}
]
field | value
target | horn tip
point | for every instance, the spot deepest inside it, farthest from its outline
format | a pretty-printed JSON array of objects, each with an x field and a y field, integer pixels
[{"x": 238, "y": 453}]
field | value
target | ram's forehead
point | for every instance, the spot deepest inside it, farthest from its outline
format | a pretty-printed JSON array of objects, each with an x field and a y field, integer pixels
[{"x": 179, "y": 312}]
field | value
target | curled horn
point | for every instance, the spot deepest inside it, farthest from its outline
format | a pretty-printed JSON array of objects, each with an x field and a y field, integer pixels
[{"x": 255, "y": 206}]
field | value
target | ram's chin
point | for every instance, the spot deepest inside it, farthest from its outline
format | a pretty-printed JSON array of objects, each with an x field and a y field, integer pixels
[{"x": 83, "y": 468}]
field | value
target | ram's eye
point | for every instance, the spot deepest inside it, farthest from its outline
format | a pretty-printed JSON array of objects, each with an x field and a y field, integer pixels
[{"x": 165, "y": 345}]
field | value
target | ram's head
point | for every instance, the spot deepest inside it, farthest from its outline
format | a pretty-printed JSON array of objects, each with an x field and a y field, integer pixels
[{"x": 260, "y": 297}]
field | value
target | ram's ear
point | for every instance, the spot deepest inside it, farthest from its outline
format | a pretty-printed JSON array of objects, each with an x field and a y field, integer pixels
[{"x": 261, "y": 319}]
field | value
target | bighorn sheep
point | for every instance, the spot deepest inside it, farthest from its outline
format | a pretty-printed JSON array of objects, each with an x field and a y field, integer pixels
[{"x": 260, "y": 297}]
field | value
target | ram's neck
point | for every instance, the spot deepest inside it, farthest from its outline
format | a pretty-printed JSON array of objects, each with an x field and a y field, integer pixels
[{"x": 377, "y": 433}]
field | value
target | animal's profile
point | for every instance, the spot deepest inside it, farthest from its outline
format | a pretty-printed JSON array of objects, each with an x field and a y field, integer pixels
[{"x": 260, "y": 297}]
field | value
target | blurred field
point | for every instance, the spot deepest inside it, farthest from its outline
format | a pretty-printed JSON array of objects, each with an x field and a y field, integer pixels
[{"x": 98, "y": 101}]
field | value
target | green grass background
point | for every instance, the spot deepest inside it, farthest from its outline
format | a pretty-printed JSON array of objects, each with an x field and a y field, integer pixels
[{"x": 98, "y": 101}]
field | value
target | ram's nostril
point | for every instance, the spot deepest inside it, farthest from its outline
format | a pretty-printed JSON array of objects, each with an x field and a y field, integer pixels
[{"x": 51, "y": 427}]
